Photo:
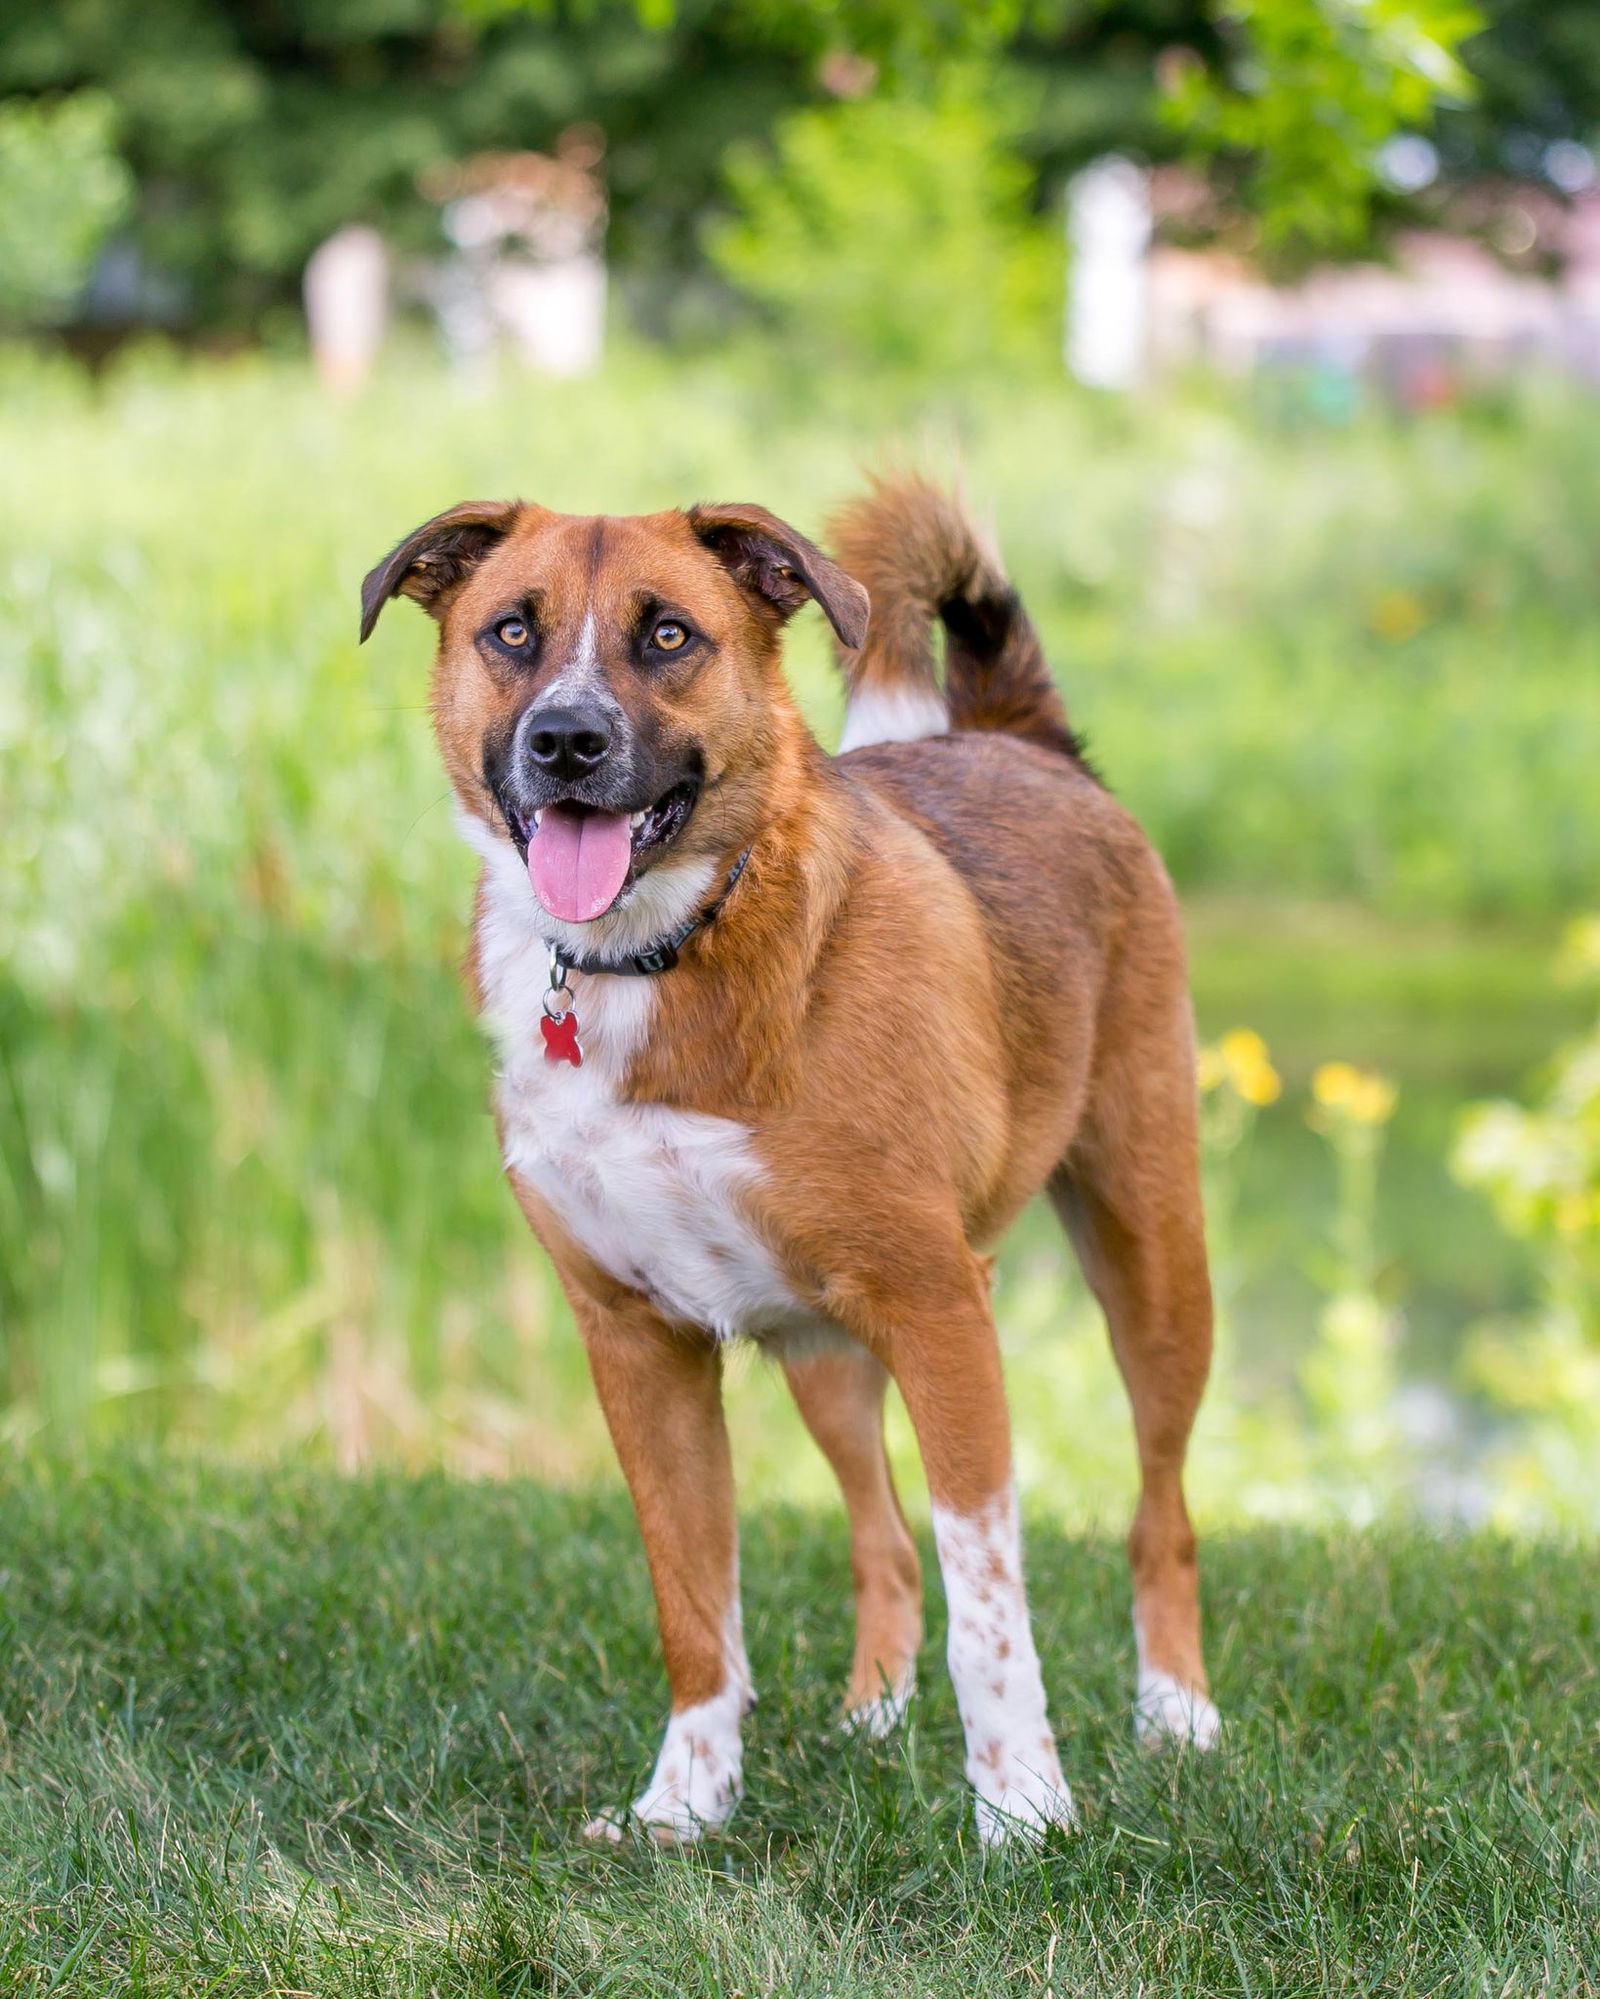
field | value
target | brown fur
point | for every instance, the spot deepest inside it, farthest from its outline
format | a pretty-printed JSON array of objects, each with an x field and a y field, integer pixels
[
  {"x": 951, "y": 975},
  {"x": 921, "y": 560}
]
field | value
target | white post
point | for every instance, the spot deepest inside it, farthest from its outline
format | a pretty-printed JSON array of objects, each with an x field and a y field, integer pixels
[
  {"x": 1108, "y": 231},
  {"x": 346, "y": 290}
]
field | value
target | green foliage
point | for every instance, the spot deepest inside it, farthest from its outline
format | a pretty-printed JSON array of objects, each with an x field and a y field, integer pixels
[
  {"x": 1315, "y": 88},
  {"x": 1541, "y": 1167},
  {"x": 903, "y": 34},
  {"x": 1536, "y": 75},
  {"x": 1541, "y": 1170},
  {"x": 893, "y": 238},
  {"x": 248, "y": 1192},
  {"x": 282, "y": 1733},
  {"x": 254, "y": 132},
  {"x": 63, "y": 188}
]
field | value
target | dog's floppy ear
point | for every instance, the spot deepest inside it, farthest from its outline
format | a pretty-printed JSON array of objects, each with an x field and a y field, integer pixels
[
  {"x": 775, "y": 564},
  {"x": 435, "y": 557}
]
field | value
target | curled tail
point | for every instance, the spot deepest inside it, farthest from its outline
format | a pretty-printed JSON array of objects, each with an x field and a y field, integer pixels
[{"x": 920, "y": 559}]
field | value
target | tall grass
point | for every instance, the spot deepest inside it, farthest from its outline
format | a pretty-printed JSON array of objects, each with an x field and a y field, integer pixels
[{"x": 247, "y": 1188}]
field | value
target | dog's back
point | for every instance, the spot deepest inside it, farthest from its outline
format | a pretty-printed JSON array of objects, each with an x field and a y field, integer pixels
[{"x": 995, "y": 775}]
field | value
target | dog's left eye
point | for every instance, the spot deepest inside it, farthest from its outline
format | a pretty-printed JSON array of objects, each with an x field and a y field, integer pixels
[
  {"x": 512, "y": 632},
  {"x": 669, "y": 636}
]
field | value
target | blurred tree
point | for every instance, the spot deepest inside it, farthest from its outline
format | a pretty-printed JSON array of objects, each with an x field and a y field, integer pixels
[
  {"x": 255, "y": 128},
  {"x": 1536, "y": 65},
  {"x": 63, "y": 187},
  {"x": 1307, "y": 95},
  {"x": 926, "y": 187}
]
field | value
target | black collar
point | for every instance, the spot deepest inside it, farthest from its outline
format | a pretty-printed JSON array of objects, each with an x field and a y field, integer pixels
[{"x": 662, "y": 956}]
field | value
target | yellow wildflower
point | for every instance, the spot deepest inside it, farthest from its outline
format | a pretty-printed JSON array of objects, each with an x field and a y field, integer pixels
[
  {"x": 1210, "y": 1068},
  {"x": 1397, "y": 615},
  {"x": 1361, "y": 1095},
  {"x": 1580, "y": 951},
  {"x": 1333, "y": 1084},
  {"x": 1249, "y": 1066}
]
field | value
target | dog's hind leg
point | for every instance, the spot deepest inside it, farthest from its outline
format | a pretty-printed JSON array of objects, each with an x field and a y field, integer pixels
[
  {"x": 1129, "y": 1195},
  {"x": 840, "y": 1396}
]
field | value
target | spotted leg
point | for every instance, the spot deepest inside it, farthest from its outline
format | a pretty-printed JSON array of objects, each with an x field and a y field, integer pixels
[{"x": 937, "y": 1335}]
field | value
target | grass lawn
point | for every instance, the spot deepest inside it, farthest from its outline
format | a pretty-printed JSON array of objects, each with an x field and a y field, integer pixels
[{"x": 274, "y": 1733}]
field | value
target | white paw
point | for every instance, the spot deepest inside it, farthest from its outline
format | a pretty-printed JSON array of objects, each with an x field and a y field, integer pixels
[
  {"x": 1024, "y": 1806},
  {"x": 698, "y": 1776},
  {"x": 670, "y": 1820},
  {"x": 1165, "y": 1713},
  {"x": 883, "y": 1715},
  {"x": 676, "y": 1815},
  {"x": 994, "y": 1668}
]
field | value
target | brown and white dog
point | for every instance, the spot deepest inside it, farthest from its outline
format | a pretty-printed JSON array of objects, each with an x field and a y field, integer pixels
[{"x": 795, "y": 1099}]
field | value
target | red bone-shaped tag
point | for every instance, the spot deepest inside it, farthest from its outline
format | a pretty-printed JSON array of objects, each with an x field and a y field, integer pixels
[{"x": 561, "y": 1038}]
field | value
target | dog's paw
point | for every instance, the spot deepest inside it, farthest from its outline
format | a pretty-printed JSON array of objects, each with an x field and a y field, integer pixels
[
  {"x": 1024, "y": 1811},
  {"x": 1020, "y": 1798},
  {"x": 674, "y": 1813},
  {"x": 882, "y": 1713},
  {"x": 697, "y": 1781},
  {"x": 1169, "y": 1715},
  {"x": 669, "y": 1822}
]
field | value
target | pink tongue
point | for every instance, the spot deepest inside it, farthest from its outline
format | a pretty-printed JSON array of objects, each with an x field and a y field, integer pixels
[{"x": 578, "y": 861}]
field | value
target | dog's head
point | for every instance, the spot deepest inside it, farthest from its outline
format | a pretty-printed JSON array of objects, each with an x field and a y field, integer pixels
[{"x": 607, "y": 692}]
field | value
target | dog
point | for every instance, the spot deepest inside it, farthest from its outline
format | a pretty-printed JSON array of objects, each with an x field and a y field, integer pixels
[{"x": 786, "y": 1040}]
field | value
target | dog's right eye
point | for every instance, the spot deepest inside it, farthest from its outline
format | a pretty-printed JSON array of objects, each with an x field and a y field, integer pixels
[{"x": 513, "y": 633}]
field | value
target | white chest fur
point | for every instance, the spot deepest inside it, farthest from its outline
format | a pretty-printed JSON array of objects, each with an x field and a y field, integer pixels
[{"x": 656, "y": 1196}]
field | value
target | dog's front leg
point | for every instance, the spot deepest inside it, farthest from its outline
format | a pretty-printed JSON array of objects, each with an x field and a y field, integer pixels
[
  {"x": 661, "y": 1389},
  {"x": 938, "y": 1337},
  {"x": 840, "y": 1396}
]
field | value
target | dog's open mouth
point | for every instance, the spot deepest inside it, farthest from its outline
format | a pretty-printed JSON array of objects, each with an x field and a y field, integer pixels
[{"x": 580, "y": 859}]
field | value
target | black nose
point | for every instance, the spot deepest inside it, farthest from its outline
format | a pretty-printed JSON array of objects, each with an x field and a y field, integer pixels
[{"x": 567, "y": 742}]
